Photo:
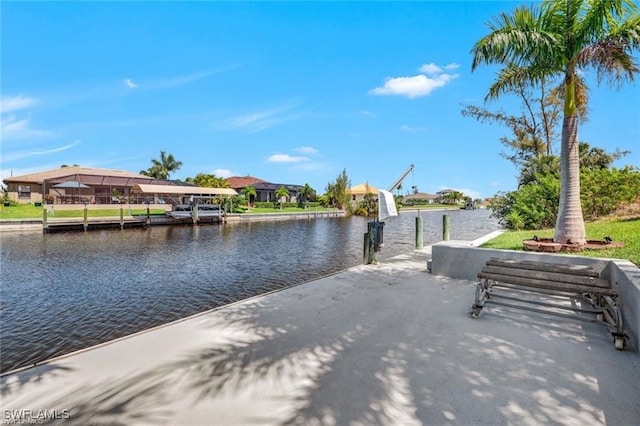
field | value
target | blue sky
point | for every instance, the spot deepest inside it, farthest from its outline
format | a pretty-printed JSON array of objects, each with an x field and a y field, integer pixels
[{"x": 290, "y": 92}]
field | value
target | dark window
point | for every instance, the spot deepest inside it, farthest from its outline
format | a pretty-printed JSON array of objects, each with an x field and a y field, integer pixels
[{"x": 24, "y": 191}]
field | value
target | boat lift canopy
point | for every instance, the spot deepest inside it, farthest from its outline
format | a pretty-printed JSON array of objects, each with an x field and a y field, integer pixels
[{"x": 181, "y": 190}]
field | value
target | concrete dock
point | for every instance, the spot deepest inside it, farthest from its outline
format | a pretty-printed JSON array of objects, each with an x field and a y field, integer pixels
[{"x": 389, "y": 344}]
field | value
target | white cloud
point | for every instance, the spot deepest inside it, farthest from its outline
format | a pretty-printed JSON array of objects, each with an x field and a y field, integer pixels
[
  {"x": 181, "y": 80},
  {"x": 15, "y": 103},
  {"x": 432, "y": 76},
  {"x": 224, "y": 173},
  {"x": 368, "y": 113},
  {"x": 286, "y": 158},
  {"x": 175, "y": 81},
  {"x": 412, "y": 87},
  {"x": 14, "y": 128},
  {"x": 430, "y": 69},
  {"x": 433, "y": 69},
  {"x": 407, "y": 128},
  {"x": 261, "y": 120},
  {"x": 307, "y": 150},
  {"x": 129, "y": 83},
  {"x": 255, "y": 121},
  {"x": 26, "y": 154}
]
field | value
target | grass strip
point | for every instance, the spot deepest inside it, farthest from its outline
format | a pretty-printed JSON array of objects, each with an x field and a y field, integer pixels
[{"x": 626, "y": 231}]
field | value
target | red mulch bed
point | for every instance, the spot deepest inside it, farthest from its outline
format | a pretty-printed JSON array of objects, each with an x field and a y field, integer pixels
[{"x": 547, "y": 245}]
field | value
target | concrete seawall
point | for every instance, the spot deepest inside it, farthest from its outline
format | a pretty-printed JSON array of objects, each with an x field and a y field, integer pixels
[{"x": 36, "y": 224}]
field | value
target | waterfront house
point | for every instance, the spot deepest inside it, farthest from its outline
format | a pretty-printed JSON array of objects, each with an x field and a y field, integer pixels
[
  {"x": 420, "y": 198},
  {"x": 76, "y": 185},
  {"x": 441, "y": 196},
  {"x": 265, "y": 191},
  {"x": 358, "y": 192}
]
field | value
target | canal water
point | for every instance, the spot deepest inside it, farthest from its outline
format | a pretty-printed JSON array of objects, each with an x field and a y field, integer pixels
[{"x": 67, "y": 291}]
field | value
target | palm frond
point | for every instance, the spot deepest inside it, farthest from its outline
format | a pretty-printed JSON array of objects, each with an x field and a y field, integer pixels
[
  {"x": 514, "y": 77},
  {"x": 610, "y": 60},
  {"x": 629, "y": 32},
  {"x": 518, "y": 38}
]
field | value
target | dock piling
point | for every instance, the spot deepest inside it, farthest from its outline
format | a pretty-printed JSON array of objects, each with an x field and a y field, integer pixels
[
  {"x": 45, "y": 225},
  {"x": 419, "y": 233},
  {"x": 446, "y": 227}
]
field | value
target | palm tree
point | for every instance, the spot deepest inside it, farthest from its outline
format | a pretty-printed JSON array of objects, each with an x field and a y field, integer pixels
[
  {"x": 282, "y": 193},
  {"x": 208, "y": 181},
  {"x": 306, "y": 193},
  {"x": 161, "y": 169},
  {"x": 249, "y": 191},
  {"x": 559, "y": 39}
]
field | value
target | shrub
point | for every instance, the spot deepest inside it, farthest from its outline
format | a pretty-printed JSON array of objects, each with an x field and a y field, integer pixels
[
  {"x": 535, "y": 205},
  {"x": 6, "y": 201},
  {"x": 605, "y": 190}
]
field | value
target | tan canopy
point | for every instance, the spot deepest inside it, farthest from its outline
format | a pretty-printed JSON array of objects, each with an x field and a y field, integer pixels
[{"x": 181, "y": 190}]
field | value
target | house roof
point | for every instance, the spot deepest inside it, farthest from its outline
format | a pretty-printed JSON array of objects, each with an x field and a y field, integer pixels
[
  {"x": 183, "y": 190},
  {"x": 237, "y": 182},
  {"x": 268, "y": 186},
  {"x": 361, "y": 189},
  {"x": 421, "y": 196},
  {"x": 445, "y": 191},
  {"x": 74, "y": 173}
]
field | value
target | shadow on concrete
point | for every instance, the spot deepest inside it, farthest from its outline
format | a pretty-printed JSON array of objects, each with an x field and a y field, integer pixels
[
  {"x": 15, "y": 382},
  {"x": 377, "y": 345}
]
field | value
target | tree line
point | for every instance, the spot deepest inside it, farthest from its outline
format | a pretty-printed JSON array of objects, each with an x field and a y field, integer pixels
[{"x": 336, "y": 192}]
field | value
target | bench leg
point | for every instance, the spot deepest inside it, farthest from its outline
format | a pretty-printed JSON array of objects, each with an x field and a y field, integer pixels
[
  {"x": 612, "y": 315},
  {"x": 482, "y": 293}
]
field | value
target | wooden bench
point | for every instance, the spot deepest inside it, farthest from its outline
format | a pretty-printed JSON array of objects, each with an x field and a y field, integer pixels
[{"x": 504, "y": 281}]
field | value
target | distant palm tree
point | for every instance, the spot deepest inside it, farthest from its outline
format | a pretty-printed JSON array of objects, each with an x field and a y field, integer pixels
[
  {"x": 162, "y": 168},
  {"x": 282, "y": 194},
  {"x": 208, "y": 181},
  {"x": 249, "y": 191},
  {"x": 560, "y": 39},
  {"x": 306, "y": 193}
]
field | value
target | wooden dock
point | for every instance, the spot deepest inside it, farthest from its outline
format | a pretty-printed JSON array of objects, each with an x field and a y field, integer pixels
[
  {"x": 52, "y": 224},
  {"x": 80, "y": 224}
]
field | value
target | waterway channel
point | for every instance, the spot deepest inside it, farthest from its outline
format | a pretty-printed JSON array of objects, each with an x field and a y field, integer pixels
[{"x": 68, "y": 291}]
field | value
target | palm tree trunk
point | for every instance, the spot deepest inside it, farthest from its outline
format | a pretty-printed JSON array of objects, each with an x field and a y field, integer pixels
[{"x": 570, "y": 223}]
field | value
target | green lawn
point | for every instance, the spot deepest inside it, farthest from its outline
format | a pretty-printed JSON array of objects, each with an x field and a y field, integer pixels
[
  {"x": 289, "y": 210},
  {"x": 20, "y": 211},
  {"x": 429, "y": 206},
  {"x": 626, "y": 231},
  {"x": 29, "y": 211}
]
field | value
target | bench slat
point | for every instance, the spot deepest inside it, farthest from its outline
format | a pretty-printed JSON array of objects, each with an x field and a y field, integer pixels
[
  {"x": 579, "y": 270},
  {"x": 547, "y": 276},
  {"x": 548, "y": 285}
]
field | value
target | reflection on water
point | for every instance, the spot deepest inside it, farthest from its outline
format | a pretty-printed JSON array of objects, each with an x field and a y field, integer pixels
[{"x": 64, "y": 292}]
